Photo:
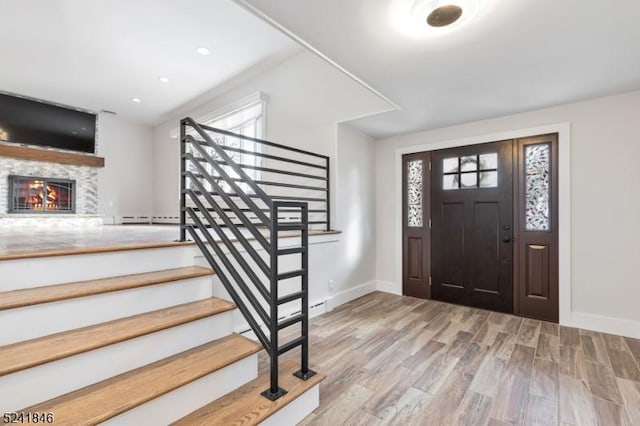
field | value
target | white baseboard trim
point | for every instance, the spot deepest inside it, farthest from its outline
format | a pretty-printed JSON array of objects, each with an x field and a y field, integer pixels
[
  {"x": 126, "y": 220},
  {"x": 166, "y": 220},
  {"x": 349, "y": 294},
  {"x": 389, "y": 287},
  {"x": 603, "y": 324}
]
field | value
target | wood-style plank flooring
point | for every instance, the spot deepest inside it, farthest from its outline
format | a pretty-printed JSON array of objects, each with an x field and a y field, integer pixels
[{"x": 404, "y": 361}]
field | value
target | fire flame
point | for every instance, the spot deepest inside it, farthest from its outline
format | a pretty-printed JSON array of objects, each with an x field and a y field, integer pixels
[{"x": 37, "y": 196}]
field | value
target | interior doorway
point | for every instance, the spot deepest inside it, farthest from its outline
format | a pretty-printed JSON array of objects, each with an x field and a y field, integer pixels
[{"x": 480, "y": 226}]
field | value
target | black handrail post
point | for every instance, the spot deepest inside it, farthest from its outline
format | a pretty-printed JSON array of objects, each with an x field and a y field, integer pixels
[
  {"x": 274, "y": 392},
  {"x": 328, "y": 194},
  {"x": 305, "y": 373},
  {"x": 183, "y": 182}
]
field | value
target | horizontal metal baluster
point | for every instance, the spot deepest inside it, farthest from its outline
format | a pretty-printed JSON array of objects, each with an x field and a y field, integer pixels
[
  {"x": 275, "y": 197},
  {"x": 248, "y": 138},
  {"x": 265, "y": 169},
  {"x": 268, "y": 156},
  {"x": 272, "y": 183}
]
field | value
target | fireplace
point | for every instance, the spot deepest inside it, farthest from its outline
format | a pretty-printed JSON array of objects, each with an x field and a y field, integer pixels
[{"x": 41, "y": 195}]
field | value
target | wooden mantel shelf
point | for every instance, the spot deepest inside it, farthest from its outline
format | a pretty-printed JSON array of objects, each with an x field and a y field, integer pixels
[{"x": 50, "y": 156}]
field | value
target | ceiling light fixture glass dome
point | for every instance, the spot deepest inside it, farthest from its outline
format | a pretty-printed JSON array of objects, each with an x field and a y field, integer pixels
[{"x": 421, "y": 18}]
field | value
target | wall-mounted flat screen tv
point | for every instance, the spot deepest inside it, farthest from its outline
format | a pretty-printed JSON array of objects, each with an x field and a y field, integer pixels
[{"x": 24, "y": 121}]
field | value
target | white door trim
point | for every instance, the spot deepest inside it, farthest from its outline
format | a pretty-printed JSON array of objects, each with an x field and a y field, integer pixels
[{"x": 564, "y": 199}]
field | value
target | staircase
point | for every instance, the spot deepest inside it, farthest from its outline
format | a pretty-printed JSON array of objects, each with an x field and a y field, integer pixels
[
  {"x": 140, "y": 340},
  {"x": 134, "y": 335}
]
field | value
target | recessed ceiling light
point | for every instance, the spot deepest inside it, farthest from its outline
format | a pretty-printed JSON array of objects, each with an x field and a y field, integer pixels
[
  {"x": 203, "y": 51},
  {"x": 136, "y": 100},
  {"x": 419, "y": 18},
  {"x": 163, "y": 79}
]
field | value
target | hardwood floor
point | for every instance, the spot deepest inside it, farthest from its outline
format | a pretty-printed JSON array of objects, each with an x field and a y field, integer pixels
[{"x": 404, "y": 361}]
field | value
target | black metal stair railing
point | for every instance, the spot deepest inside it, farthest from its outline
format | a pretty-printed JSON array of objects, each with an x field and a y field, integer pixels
[{"x": 235, "y": 207}]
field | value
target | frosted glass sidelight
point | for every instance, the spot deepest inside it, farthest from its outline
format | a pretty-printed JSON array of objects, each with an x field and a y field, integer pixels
[
  {"x": 537, "y": 187},
  {"x": 414, "y": 193}
]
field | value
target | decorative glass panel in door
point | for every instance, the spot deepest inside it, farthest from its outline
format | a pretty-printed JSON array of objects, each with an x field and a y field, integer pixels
[
  {"x": 537, "y": 183},
  {"x": 414, "y": 193}
]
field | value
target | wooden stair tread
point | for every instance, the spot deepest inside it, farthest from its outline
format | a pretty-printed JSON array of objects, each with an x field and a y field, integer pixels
[
  {"x": 245, "y": 406},
  {"x": 30, "y": 353},
  {"x": 94, "y": 250},
  {"x": 101, "y": 401},
  {"x": 52, "y": 293}
]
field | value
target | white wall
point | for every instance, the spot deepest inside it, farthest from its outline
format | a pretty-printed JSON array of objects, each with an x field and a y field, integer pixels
[
  {"x": 306, "y": 99},
  {"x": 605, "y": 146},
  {"x": 355, "y": 185},
  {"x": 125, "y": 184}
]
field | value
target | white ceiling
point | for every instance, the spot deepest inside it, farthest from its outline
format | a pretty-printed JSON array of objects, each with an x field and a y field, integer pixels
[
  {"x": 514, "y": 56},
  {"x": 99, "y": 54}
]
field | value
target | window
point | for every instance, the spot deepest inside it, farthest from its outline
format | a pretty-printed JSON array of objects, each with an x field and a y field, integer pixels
[
  {"x": 473, "y": 171},
  {"x": 246, "y": 120}
]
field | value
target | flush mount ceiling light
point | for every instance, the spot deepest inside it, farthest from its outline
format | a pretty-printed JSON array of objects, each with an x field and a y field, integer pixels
[
  {"x": 444, "y": 15},
  {"x": 163, "y": 79},
  {"x": 420, "y": 18},
  {"x": 203, "y": 51},
  {"x": 136, "y": 100}
]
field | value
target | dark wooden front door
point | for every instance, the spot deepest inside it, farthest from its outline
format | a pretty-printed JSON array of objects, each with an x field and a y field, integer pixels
[{"x": 472, "y": 225}]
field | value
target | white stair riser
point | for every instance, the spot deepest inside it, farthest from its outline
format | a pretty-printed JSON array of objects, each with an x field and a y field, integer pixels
[
  {"x": 182, "y": 401},
  {"x": 293, "y": 413},
  {"x": 25, "y": 388},
  {"x": 36, "y": 272},
  {"x": 48, "y": 318},
  {"x": 240, "y": 324}
]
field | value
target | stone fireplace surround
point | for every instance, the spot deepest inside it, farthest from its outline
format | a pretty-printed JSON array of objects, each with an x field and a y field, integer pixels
[{"x": 86, "y": 178}]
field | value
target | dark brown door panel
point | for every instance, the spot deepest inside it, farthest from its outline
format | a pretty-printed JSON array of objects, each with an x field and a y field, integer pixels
[
  {"x": 486, "y": 246},
  {"x": 451, "y": 252},
  {"x": 472, "y": 219},
  {"x": 415, "y": 254}
]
